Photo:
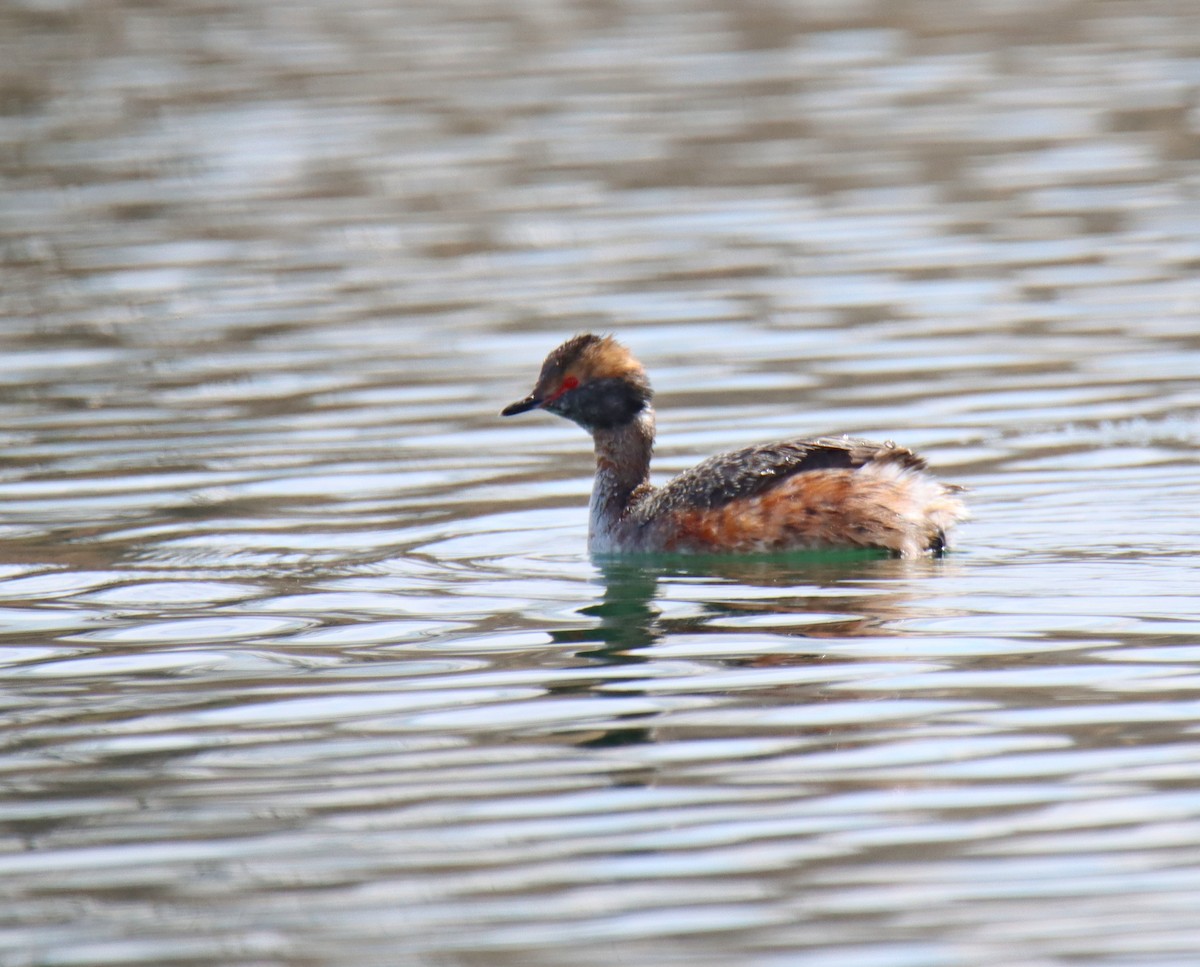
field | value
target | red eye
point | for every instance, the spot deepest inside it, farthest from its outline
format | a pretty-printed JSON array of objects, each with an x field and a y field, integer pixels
[{"x": 567, "y": 384}]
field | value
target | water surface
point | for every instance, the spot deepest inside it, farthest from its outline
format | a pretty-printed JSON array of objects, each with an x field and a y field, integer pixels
[{"x": 302, "y": 659}]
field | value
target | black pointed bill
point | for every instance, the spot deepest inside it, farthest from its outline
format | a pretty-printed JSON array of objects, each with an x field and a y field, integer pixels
[{"x": 531, "y": 402}]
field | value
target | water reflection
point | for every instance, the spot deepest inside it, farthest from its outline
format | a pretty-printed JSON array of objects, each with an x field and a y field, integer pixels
[{"x": 826, "y": 594}]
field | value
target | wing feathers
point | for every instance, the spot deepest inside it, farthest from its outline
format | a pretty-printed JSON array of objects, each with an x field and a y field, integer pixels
[{"x": 754, "y": 470}]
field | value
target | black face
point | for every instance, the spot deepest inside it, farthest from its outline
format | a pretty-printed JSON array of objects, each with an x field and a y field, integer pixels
[{"x": 602, "y": 404}]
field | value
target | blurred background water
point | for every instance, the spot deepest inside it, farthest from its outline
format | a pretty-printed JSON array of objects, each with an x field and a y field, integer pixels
[{"x": 302, "y": 659}]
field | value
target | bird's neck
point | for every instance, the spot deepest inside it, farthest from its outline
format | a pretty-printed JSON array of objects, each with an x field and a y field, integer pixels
[{"x": 622, "y": 468}]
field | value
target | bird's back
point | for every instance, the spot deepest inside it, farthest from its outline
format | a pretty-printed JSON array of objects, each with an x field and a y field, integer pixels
[{"x": 799, "y": 494}]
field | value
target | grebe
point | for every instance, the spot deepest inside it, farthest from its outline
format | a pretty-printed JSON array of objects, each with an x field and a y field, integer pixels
[{"x": 774, "y": 497}]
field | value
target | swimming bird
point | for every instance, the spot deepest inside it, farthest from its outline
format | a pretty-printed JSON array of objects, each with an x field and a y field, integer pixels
[{"x": 769, "y": 498}]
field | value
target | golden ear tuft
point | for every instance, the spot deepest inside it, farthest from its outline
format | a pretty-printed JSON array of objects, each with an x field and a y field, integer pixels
[{"x": 605, "y": 358}]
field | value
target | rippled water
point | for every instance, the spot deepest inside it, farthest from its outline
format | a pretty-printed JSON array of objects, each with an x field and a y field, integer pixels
[{"x": 302, "y": 659}]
